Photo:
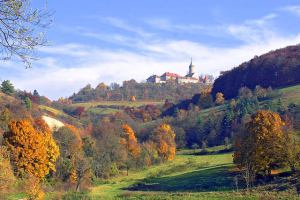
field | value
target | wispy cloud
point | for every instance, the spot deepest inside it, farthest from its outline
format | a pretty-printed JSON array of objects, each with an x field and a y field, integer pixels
[
  {"x": 68, "y": 67},
  {"x": 121, "y": 24},
  {"x": 167, "y": 25},
  {"x": 254, "y": 30},
  {"x": 295, "y": 9}
]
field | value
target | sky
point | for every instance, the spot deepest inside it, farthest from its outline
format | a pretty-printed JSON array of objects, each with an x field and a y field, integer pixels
[{"x": 94, "y": 41}]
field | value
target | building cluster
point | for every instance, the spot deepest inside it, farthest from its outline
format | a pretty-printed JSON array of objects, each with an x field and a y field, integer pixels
[{"x": 191, "y": 77}]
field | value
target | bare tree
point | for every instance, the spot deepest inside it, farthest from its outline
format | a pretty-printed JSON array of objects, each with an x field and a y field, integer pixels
[{"x": 21, "y": 29}]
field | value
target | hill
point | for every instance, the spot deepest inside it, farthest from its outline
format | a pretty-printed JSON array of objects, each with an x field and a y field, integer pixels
[
  {"x": 276, "y": 69},
  {"x": 140, "y": 91}
]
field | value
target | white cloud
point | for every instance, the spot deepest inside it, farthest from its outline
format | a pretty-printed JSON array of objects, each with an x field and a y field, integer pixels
[
  {"x": 53, "y": 79},
  {"x": 69, "y": 67},
  {"x": 121, "y": 24},
  {"x": 167, "y": 25},
  {"x": 293, "y": 9}
]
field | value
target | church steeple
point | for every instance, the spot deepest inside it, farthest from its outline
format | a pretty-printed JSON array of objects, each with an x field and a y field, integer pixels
[{"x": 191, "y": 68}]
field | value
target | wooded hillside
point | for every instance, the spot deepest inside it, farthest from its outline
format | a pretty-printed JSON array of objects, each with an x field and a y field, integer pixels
[{"x": 276, "y": 69}]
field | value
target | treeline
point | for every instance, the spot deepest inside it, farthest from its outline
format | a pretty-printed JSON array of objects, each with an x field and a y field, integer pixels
[
  {"x": 218, "y": 125},
  {"x": 276, "y": 69},
  {"x": 132, "y": 90},
  {"x": 35, "y": 159}
]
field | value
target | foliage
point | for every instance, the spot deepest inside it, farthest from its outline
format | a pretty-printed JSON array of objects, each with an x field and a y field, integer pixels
[
  {"x": 51, "y": 146},
  {"x": 141, "y": 91},
  {"x": 30, "y": 149},
  {"x": 164, "y": 139},
  {"x": 70, "y": 145},
  {"x": 263, "y": 144},
  {"x": 130, "y": 142},
  {"x": 219, "y": 98},
  {"x": 278, "y": 68},
  {"x": 28, "y": 103},
  {"x": 7, "y": 87},
  {"x": 7, "y": 177}
]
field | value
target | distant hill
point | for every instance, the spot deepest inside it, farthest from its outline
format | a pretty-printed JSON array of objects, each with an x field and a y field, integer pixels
[
  {"x": 140, "y": 91},
  {"x": 279, "y": 68}
]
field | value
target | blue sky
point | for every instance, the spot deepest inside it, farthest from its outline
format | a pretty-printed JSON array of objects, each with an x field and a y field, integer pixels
[{"x": 114, "y": 40}]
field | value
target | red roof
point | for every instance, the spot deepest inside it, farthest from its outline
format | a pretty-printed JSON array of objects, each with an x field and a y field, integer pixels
[{"x": 171, "y": 74}]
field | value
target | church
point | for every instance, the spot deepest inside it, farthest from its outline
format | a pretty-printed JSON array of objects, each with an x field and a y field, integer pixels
[{"x": 191, "y": 77}]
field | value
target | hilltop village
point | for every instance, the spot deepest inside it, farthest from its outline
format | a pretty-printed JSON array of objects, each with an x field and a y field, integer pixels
[{"x": 191, "y": 77}]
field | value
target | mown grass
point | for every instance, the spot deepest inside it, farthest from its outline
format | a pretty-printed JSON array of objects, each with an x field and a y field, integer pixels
[
  {"x": 52, "y": 110},
  {"x": 102, "y": 111},
  {"x": 87, "y": 105},
  {"x": 185, "y": 174},
  {"x": 189, "y": 176}
]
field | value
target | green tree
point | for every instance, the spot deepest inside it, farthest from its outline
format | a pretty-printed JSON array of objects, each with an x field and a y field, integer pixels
[
  {"x": 7, "y": 87},
  {"x": 28, "y": 103}
]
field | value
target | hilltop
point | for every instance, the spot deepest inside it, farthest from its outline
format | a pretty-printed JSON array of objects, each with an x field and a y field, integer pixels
[{"x": 276, "y": 69}]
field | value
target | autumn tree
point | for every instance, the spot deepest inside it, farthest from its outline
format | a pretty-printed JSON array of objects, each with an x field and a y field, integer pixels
[
  {"x": 133, "y": 99},
  {"x": 5, "y": 117},
  {"x": 70, "y": 145},
  {"x": 30, "y": 149},
  {"x": 7, "y": 177},
  {"x": 164, "y": 139},
  {"x": 261, "y": 147},
  {"x": 52, "y": 148},
  {"x": 291, "y": 151},
  {"x": 130, "y": 143},
  {"x": 219, "y": 98}
]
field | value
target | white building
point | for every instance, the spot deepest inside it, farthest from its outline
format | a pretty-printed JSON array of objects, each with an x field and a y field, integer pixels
[{"x": 191, "y": 77}]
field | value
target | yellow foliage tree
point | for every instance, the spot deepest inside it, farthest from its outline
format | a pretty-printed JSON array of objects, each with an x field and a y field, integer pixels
[
  {"x": 133, "y": 99},
  {"x": 219, "y": 98},
  {"x": 130, "y": 141},
  {"x": 164, "y": 138},
  {"x": 52, "y": 147},
  {"x": 7, "y": 178},
  {"x": 29, "y": 149},
  {"x": 261, "y": 148}
]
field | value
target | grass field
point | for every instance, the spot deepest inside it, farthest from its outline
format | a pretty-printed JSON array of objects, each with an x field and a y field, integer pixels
[
  {"x": 185, "y": 174},
  {"x": 52, "y": 110},
  {"x": 290, "y": 94},
  {"x": 187, "y": 177},
  {"x": 117, "y": 103}
]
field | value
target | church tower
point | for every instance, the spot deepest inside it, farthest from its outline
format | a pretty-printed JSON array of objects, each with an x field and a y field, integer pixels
[{"x": 192, "y": 70}]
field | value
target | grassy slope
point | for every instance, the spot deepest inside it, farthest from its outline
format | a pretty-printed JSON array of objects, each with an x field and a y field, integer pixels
[
  {"x": 187, "y": 177},
  {"x": 116, "y": 103},
  {"x": 92, "y": 106},
  {"x": 184, "y": 174},
  {"x": 290, "y": 94},
  {"x": 52, "y": 110}
]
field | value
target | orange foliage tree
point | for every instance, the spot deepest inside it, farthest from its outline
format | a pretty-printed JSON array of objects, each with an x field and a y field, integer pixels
[
  {"x": 29, "y": 149},
  {"x": 130, "y": 142},
  {"x": 164, "y": 138},
  {"x": 52, "y": 148},
  {"x": 261, "y": 148}
]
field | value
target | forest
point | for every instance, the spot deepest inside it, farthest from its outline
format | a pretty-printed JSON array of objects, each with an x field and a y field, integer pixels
[
  {"x": 276, "y": 69},
  {"x": 89, "y": 148}
]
